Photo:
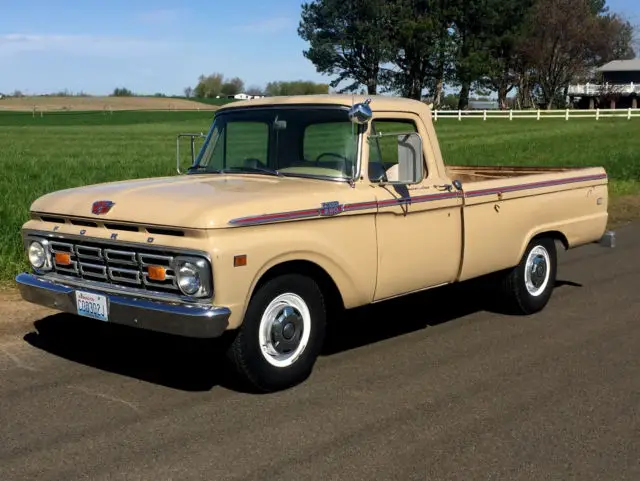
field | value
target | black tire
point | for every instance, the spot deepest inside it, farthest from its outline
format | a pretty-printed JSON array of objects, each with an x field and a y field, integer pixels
[
  {"x": 529, "y": 300},
  {"x": 245, "y": 353}
]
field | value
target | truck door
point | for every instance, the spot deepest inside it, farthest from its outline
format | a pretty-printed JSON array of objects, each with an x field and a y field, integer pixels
[{"x": 419, "y": 221}]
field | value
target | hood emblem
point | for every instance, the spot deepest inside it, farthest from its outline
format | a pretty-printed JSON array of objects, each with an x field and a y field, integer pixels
[{"x": 101, "y": 207}]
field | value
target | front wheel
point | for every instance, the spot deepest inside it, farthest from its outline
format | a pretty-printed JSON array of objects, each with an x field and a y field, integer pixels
[
  {"x": 528, "y": 286},
  {"x": 281, "y": 335}
]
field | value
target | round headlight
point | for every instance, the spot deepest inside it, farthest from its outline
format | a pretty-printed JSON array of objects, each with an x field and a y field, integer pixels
[
  {"x": 193, "y": 276},
  {"x": 37, "y": 254},
  {"x": 189, "y": 278}
]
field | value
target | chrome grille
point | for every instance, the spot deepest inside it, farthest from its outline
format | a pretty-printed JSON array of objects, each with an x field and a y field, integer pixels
[{"x": 121, "y": 266}]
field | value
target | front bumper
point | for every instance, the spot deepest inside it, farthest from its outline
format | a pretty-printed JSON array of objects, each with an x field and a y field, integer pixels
[{"x": 190, "y": 320}]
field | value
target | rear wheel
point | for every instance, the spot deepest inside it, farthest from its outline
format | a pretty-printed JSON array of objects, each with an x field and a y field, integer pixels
[
  {"x": 528, "y": 286},
  {"x": 281, "y": 335}
]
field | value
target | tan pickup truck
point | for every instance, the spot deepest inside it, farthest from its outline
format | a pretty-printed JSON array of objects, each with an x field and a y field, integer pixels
[{"x": 294, "y": 204}]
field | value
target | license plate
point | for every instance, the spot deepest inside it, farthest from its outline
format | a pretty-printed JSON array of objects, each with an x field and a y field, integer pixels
[{"x": 92, "y": 305}]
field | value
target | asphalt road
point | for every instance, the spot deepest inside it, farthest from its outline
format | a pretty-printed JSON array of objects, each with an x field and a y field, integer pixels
[{"x": 430, "y": 387}]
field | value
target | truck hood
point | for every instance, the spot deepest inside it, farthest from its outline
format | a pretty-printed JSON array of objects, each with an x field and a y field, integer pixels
[{"x": 202, "y": 201}]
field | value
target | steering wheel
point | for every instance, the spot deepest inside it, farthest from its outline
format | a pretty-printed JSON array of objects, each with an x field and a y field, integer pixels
[
  {"x": 340, "y": 156},
  {"x": 253, "y": 162}
]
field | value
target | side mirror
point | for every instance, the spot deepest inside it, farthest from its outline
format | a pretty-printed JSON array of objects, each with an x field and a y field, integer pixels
[
  {"x": 193, "y": 137},
  {"x": 361, "y": 113},
  {"x": 410, "y": 159}
]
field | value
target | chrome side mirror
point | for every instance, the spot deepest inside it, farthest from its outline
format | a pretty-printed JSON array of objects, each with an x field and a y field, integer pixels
[
  {"x": 361, "y": 113},
  {"x": 410, "y": 158},
  {"x": 192, "y": 137}
]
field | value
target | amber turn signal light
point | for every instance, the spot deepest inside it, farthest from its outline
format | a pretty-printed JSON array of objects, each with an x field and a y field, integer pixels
[
  {"x": 239, "y": 261},
  {"x": 63, "y": 258},
  {"x": 157, "y": 273}
]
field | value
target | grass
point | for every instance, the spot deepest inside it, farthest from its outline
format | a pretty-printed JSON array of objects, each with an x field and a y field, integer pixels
[
  {"x": 62, "y": 150},
  {"x": 38, "y": 157},
  {"x": 55, "y": 104},
  {"x": 211, "y": 101},
  {"x": 612, "y": 143}
]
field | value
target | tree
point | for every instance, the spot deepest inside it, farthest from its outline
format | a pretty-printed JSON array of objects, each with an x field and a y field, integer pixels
[
  {"x": 254, "y": 90},
  {"x": 420, "y": 41},
  {"x": 598, "y": 7},
  {"x": 450, "y": 101},
  {"x": 299, "y": 87},
  {"x": 209, "y": 86},
  {"x": 121, "y": 92},
  {"x": 615, "y": 39},
  {"x": 505, "y": 64},
  {"x": 471, "y": 32},
  {"x": 567, "y": 39},
  {"x": 232, "y": 87},
  {"x": 347, "y": 38},
  {"x": 188, "y": 92},
  {"x": 559, "y": 45}
]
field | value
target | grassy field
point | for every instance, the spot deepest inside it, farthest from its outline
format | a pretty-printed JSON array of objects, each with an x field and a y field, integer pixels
[
  {"x": 50, "y": 103},
  {"x": 63, "y": 150}
]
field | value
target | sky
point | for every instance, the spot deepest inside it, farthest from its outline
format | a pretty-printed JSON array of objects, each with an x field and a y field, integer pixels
[{"x": 161, "y": 46}]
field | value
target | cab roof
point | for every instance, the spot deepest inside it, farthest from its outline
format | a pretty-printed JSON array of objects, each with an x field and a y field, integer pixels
[{"x": 378, "y": 102}]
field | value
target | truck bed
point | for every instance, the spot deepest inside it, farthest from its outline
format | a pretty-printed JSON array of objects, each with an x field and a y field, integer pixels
[{"x": 470, "y": 174}]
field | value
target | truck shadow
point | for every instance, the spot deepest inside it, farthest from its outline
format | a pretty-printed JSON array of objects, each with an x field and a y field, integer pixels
[{"x": 196, "y": 365}]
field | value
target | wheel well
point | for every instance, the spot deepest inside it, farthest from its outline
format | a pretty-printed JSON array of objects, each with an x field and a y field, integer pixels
[
  {"x": 330, "y": 291},
  {"x": 555, "y": 235}
]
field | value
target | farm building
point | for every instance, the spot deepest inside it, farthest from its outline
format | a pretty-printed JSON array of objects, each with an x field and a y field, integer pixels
[
  {"x": 243, "y": 96},
  {"x": 618, "y": 87}
]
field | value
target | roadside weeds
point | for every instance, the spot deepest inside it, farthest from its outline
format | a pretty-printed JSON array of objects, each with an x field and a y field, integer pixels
[{"x": 623, "y": 209}]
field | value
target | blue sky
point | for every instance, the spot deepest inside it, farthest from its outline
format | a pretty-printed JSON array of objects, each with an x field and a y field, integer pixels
[{"x": 159, "y": 46}]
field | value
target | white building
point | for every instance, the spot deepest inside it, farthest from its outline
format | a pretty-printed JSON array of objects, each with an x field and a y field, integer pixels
[{"x": 243, "y": 96}]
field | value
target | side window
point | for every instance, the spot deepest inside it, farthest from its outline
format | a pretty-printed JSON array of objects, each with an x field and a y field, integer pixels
[
  {"x": 244, "y": 140},
  {"x": 383, "y": 151}
]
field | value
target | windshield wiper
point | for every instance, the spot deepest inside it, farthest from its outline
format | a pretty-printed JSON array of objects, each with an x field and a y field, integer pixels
[
  {"x": 229, "y": 170},
  {"x": 249, "y": 170},
  {"x": 204, "y": 169}
]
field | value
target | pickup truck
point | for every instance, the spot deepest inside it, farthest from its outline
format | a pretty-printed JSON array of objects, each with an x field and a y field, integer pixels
[{"x": 295, "y": 204}]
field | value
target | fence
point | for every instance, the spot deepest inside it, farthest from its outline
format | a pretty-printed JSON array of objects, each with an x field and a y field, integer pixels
[{"x": 536, "y": 114}]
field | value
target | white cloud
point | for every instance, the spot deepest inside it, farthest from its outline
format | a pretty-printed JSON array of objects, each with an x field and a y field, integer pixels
[
  {"x": 86, "y": 45},
  {"x": 266, "y": 26}
]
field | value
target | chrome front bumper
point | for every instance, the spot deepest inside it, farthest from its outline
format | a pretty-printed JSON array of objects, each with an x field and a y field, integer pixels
[{"x": 191, "y": 320}]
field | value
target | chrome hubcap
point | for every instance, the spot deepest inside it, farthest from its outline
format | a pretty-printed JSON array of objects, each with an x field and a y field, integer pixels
[
  {"x": 536, "y": 271},
  {"x": 284, "y": 329}
]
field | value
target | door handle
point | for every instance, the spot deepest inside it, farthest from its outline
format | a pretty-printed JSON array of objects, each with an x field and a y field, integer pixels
[{"x": 449, "y": 187}]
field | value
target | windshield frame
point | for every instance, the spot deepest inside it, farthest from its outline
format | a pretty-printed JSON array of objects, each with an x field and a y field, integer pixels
[{"x": 360, "y": 135}]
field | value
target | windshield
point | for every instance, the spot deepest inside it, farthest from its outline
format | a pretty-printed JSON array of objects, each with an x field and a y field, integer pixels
[{"x": 295, "y": 141}]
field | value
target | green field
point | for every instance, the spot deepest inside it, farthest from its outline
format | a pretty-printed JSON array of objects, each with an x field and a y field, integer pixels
[{"x": 63, "y": 150}]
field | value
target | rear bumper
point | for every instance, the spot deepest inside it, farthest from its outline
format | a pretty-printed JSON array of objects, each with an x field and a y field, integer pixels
[
  {"x": 608, "y": 239},
  {"x": 189, "y": 320}
]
